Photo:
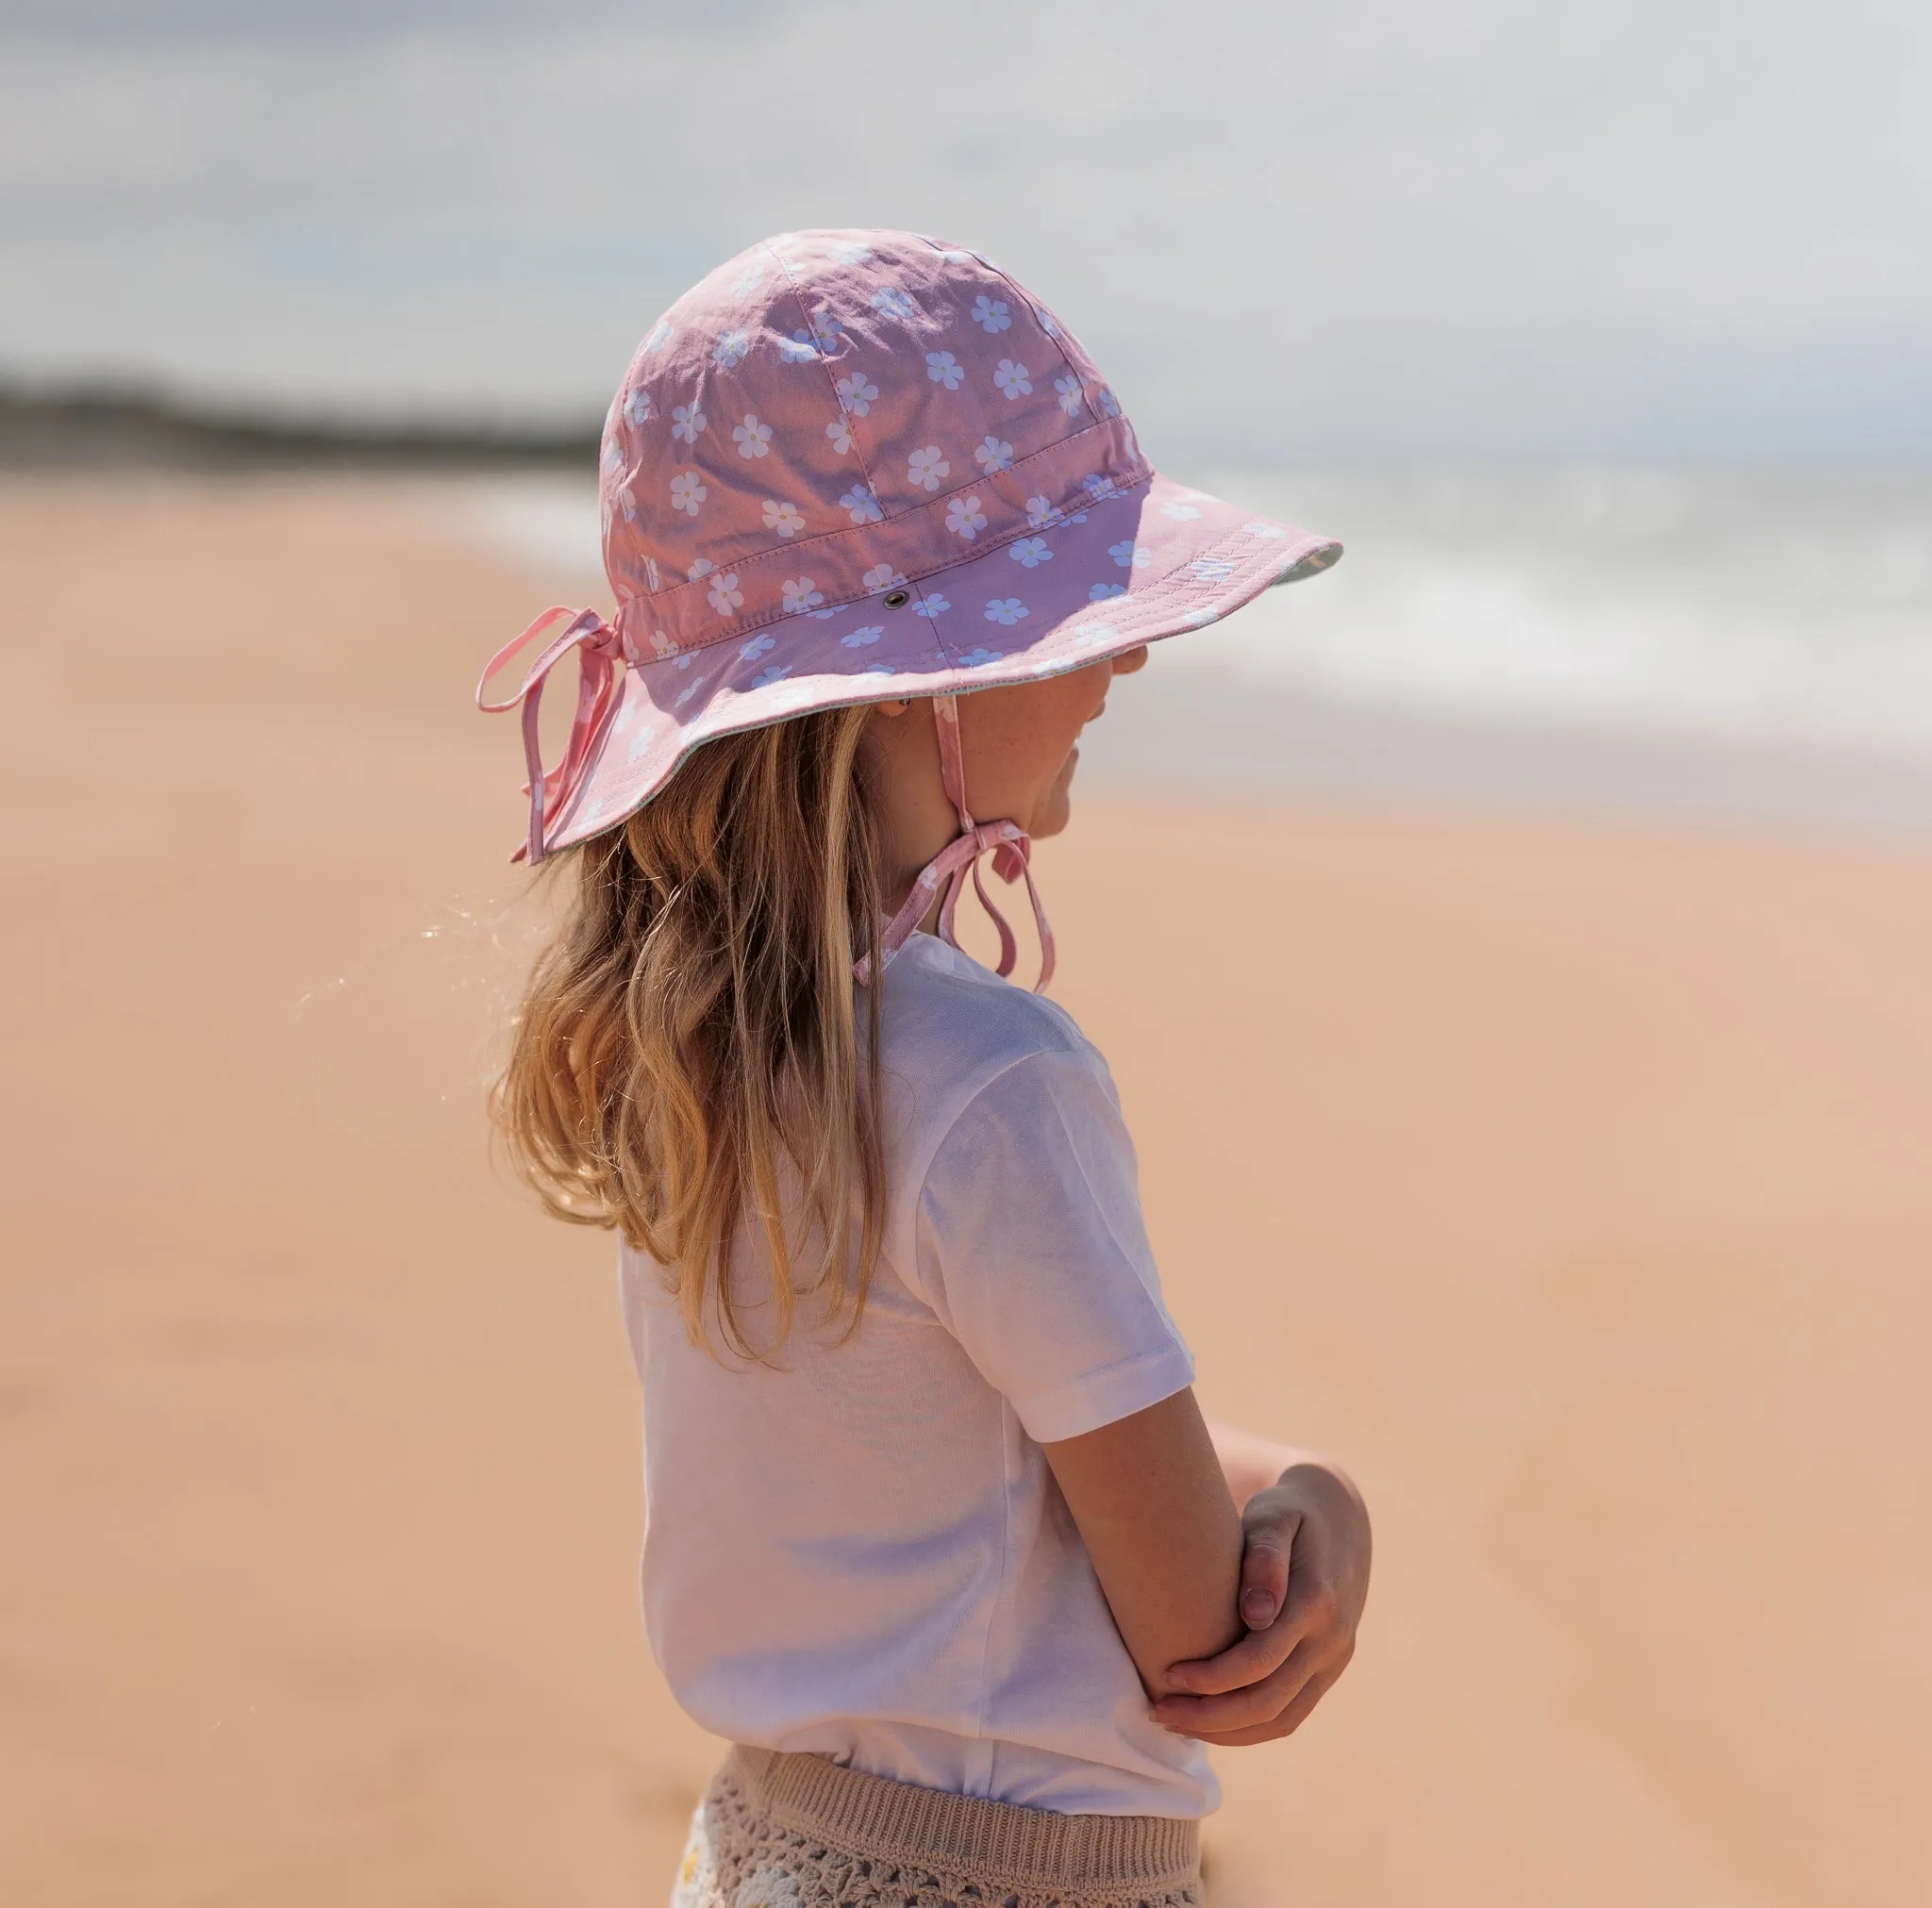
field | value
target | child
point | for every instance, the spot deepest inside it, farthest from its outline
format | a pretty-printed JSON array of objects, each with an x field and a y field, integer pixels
[{"x": 935, "y": 1532}]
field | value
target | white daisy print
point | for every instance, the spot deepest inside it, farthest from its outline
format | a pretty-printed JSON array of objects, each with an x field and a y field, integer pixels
[
  {"x": 626, "y": 502},
  {"x": 927, "y": 467},
  {"x": 1095, "y": 632},
  {"x": 860, "y": 505},
  {"x": 990, "y": 314},
  {"x": 688, "y": 491},
  {"x": 753, "y": 438},
  {"x": 688, "y": 691},
  {"x": 687, "y": 421},
  {"x": 1130, "y": 552},
  {"x": 724, "y": 593},
  {"x": 930, "y": 604},
  {"x": 798, "y": 349},
  {"x": 1011, "y": 377},
  {"x": 747, "y": 282},
  {"x": 639, "y": 743},
  {"x": 1195, "y": 618},
  {"x": 1181, "y": 513},
  {"x": 856, "y": 393},
  {"x": 881, "y": 576},
  {"x": 1008, "y": 609},
  {"x": 731, "y": 350},
  {"x": 756, "y": 647},
  {"x": 1110, "y": 405},
  {"x": 839, "y": 431},
  {"x": 974, "y": 658},
  {"x": 1031, "y": 551},
  {"x": 892, "y": 302},
  {"x": 702, "y": 567},
  {"x": 964, "y": 517},
  {"x": 1273, "y": 533},
  {"x": 1099, "y": 592},
  {"x": 787, "y": 519},
  {"x": 879, "y": 669},
  {"x": 849, "y": 254},
  {"x": 995, "y": 453},
  {"x": 800, "y": 595},
  {"x": 1099, "y": 488},
  {"x": 1040, "y": 513},
  {"x": 637, "y": 406},
  {"x": 651, "y": 573},
  {"x": 943, "y": 367},
  {"x": 1212, "y": 569},
  {"x": 1044, "y": 319},
  {"x": 863, "y": 638},
  {"x": 660, "y": 338},
  {"x": 1068, "y": 388},
  {"x": 825, "y": 331},
  {"x": 662, "y": 643},
  {"x": 773, "y": 672}
]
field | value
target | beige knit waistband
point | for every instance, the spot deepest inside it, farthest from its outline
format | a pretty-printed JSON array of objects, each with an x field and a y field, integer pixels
[{"x": 892, "y": 1820}]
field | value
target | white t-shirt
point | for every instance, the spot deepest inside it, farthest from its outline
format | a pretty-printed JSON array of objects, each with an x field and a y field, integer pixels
[{"x": 862, "y": 1553}]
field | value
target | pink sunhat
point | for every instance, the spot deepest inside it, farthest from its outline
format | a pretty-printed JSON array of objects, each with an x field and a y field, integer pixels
[{"x": 854, "y": 466}]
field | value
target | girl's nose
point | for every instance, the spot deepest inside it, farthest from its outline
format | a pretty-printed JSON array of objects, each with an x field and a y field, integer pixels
[{"x": 1129, "y": 660}]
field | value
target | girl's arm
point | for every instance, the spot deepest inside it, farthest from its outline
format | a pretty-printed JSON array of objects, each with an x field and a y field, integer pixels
[
  {"x": 1155, "y": 1510},
  {"x": 1305, "y": 1578}
]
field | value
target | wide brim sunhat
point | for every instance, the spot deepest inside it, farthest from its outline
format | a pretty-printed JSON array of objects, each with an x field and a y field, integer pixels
[{"x": 855, "y": 466}]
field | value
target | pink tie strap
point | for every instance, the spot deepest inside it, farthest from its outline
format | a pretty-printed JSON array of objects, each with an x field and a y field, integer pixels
[
  {"x": 942, "y": 878},
  {"x": 599, "y": 650}
]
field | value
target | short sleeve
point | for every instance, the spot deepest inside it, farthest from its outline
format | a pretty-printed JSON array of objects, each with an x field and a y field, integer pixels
[{"x": 1032, "y": 1252}]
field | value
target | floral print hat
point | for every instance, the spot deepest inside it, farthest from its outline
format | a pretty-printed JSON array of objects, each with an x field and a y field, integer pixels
[{"x": 854, "y": 466}]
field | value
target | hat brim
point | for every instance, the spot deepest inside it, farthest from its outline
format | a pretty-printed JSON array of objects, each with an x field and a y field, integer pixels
[{"x": 1131, "y": 567}]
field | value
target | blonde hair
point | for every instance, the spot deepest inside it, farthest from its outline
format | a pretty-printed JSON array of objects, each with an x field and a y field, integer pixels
[{"x": 688, "y": 1053}]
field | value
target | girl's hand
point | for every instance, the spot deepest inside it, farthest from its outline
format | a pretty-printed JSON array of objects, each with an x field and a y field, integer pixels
[{"x": 1305, "y": 1578}]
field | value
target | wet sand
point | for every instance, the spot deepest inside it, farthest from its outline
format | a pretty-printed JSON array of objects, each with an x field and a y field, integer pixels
[{"x": 1570, "y": 1178}]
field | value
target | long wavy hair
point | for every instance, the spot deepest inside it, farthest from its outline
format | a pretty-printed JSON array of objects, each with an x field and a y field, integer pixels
[{"x": 688, "y": 1059}]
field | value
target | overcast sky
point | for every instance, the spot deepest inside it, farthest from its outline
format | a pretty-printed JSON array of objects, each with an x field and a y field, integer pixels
[{"x": 1368, "y": 230}]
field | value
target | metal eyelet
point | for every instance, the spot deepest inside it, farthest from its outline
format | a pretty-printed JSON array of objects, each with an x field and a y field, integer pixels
[{"x": 897, "y": 598}]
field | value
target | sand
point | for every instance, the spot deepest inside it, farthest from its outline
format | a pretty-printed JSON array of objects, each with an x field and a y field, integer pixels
[{"x": 1571, "y": 1180}]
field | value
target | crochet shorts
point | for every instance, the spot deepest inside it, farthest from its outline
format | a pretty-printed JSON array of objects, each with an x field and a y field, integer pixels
[{"x": 798, "y": 1832}]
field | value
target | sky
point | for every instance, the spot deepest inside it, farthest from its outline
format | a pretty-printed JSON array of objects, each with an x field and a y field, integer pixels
[{"x": 1371, "y": 231}]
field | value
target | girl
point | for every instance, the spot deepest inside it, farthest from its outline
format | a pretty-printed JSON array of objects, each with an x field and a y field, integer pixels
[{"x": 935, "y": 1532}]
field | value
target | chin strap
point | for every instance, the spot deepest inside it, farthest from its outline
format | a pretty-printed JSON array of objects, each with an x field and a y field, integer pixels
[
  {"x": 599, "y": 650},
  {"x": 944, "y": 878}
]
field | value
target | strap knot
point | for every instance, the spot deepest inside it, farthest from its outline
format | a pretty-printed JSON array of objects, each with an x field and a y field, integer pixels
[{"x": 942, "y": 878}]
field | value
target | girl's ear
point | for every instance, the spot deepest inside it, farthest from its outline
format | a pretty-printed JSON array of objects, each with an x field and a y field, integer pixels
[{"x": 892, "y": 708}]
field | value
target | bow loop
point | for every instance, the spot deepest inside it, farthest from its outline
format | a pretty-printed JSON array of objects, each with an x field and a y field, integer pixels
[
  {"x": 1010, "y": 859},
  {"x": 599, "y": 650}
]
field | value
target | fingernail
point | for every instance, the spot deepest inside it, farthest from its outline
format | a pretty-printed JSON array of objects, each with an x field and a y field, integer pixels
[{"x": 1258, "y": 1610}]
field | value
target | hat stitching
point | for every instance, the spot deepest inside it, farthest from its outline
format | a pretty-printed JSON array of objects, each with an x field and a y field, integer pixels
[
  {"x": 839, "y": 402},
  {"x": 787, "y": 555}
]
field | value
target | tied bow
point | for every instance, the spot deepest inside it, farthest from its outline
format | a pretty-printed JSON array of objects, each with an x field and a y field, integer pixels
[{"x": 599, "y": 650}]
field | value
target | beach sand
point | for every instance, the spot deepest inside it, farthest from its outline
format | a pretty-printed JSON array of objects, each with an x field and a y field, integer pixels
[{"x": 1570, "y": 1179}]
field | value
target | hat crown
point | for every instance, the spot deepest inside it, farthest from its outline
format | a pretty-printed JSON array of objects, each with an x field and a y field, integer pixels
[{"x": 828, "y": 397}]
